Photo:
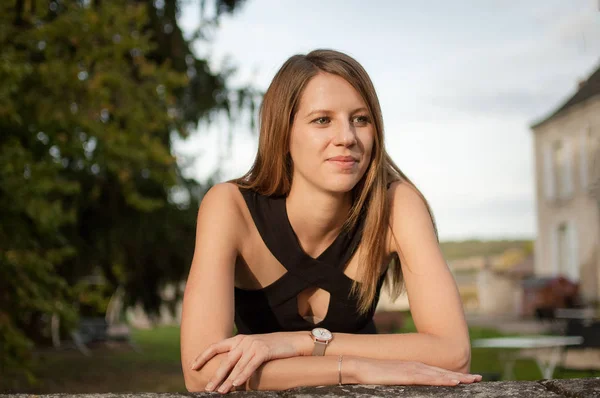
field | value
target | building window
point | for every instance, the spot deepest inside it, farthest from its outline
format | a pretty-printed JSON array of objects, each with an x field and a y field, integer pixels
[
  {"x": 594, "y": 168},
  {"x": 548, "y": 172},
  {"x": 567, "y": 262},
  {"x": 562, "y": 166},
  {"x": 585, "y": 156},
  {"x": 590, "y": 159},
  {"x": 558, "y": 160}
]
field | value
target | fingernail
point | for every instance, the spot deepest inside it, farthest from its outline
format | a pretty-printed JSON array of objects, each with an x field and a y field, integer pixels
[
  {"x": 209, "y": 387},
  {"x": 236, "y": 383},
  {"x": 455, "y": 381},
  {"x": 193, "y": 366},
  {"x": 222, "y": 388}
]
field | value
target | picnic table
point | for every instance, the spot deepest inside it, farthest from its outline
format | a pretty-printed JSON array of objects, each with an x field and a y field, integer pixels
[{"x": 512, "y": 346}]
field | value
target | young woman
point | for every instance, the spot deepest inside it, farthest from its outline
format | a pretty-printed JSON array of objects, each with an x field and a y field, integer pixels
[{"x": 297, "y": 251}]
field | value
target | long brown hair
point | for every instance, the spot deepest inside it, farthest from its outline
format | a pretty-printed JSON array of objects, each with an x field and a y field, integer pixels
[{"x": 271, "y": 173}]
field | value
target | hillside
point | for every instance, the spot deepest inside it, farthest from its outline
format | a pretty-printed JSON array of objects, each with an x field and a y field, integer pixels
[{"x": 454, "y": 250}]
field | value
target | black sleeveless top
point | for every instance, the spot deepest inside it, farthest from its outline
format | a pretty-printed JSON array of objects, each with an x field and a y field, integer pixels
[{"x": 274, "y": 308}]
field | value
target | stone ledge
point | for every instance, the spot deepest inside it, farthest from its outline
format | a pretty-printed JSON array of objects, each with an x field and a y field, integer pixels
[{"x": 574, "y": 388}]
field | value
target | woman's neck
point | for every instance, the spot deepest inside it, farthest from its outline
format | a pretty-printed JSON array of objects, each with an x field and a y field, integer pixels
[{"x": 316, "y": 216}]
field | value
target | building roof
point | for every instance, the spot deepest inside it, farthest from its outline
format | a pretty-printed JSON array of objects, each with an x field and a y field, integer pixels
[{"x": 587, "y": 89}]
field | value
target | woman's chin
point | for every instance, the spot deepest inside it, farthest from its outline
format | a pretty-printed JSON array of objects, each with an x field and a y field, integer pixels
[{"x": 341, "y": 185}]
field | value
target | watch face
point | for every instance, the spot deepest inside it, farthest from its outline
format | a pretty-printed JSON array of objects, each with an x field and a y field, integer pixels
[{"x": 322, "y": 334}]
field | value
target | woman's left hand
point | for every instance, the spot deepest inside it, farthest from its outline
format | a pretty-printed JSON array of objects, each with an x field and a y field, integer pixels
[{"x": 246, "y": 354}]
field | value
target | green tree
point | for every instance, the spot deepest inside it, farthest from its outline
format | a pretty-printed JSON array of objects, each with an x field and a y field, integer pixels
[{"x": 92, "y": 95}]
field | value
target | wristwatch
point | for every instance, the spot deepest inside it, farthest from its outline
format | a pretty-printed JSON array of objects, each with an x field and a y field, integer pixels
[{"x": 321, "y": 337}]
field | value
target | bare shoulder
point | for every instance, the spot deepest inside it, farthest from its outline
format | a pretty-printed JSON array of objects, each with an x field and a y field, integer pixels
[
  {"x": 409, "y": 216},
  {"x": 224, "y": 196},
  {"x": 405, "y": 200},
  {"x": 225, "y": 193},
  {"x": 223, "y": 204}
]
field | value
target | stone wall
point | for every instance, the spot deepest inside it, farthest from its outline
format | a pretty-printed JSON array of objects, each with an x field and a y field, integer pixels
[{"x": 575, "y": 388}]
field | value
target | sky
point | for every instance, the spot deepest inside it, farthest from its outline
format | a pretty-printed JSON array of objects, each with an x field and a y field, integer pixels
[{"x": 459, "y": 85}]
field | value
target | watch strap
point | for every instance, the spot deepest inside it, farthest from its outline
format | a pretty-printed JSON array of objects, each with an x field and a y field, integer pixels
[{"x": 319, "y": 349}]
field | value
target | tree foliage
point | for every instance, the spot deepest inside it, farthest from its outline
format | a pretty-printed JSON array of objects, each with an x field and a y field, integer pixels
[{"x": 92, "y": 95}]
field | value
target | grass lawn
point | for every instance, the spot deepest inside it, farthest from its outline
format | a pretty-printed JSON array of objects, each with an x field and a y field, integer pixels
[{"x": 158, "y": 368}]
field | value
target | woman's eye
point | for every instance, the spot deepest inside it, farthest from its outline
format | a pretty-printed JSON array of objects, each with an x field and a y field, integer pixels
[
  {"x": 361, "y": 120},
  {"x": 321, "y": 120}
]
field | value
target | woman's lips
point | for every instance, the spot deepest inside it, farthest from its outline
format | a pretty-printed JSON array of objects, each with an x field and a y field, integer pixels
[
  {"x": 343, "y": 159},
  {"x": 344, "y": 162}
]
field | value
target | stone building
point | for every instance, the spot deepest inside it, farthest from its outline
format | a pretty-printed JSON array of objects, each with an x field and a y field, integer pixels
[{"x": 567, "y": 164}]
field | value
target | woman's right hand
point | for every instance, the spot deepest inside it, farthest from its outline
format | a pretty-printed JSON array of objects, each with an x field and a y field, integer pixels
[{"x": 390, "y": 372}]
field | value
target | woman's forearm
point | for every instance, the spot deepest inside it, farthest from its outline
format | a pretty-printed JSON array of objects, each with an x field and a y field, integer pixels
[
  {"x": 281, "y": 374},
  {"x": 443, "y": 352},
  {"x": 307, "y": 370}
]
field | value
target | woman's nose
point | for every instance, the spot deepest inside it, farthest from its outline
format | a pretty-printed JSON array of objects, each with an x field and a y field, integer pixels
[{"x": 346, "y": 135}]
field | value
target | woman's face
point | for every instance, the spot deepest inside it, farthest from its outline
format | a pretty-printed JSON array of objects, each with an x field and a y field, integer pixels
[{"x": 332, "y": 135}]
